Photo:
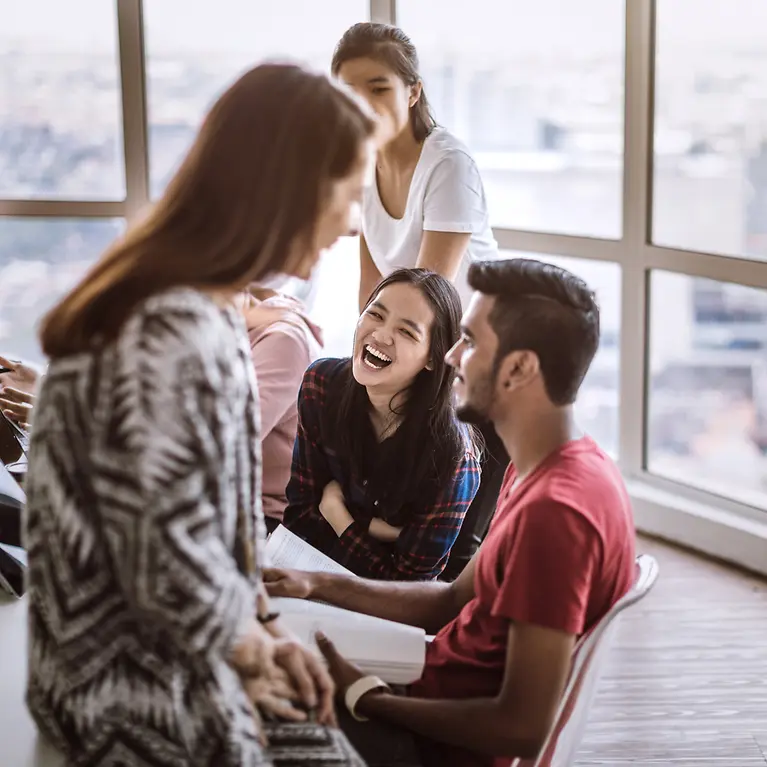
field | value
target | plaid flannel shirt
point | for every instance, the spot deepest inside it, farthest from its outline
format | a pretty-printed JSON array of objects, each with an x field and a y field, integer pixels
[{"x": 422, "y": 549}]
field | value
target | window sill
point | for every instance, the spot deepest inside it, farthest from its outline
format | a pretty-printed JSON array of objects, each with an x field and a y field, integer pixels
[{"x": 699, "y": 526}]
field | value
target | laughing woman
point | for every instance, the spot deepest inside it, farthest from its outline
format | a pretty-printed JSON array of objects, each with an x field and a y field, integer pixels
[{"x": 383, "y": 472}]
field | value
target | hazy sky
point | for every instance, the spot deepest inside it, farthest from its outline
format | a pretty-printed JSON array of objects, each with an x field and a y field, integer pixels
[{"x": 253, "y": 26}]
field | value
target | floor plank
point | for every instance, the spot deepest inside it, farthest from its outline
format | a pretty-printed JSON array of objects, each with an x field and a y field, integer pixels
[{"x": 686, "y": 681}]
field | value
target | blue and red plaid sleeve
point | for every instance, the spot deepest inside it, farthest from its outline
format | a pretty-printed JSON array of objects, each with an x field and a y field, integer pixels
[
  {"x": 309, "y": 472},
  {"x": 423, "y": 546}
]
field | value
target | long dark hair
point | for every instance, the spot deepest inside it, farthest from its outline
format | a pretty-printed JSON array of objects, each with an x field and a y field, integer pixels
[
  {"x": 421, "y": 456},
  {"x": 252, "y": 183},
  {"x": 395, "y": 50}
]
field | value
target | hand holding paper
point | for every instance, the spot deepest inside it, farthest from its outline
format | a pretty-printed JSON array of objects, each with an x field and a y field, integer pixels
[{"x": 393, "y": 651}]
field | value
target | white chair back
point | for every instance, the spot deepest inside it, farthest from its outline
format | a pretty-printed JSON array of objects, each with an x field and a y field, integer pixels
[{"x": 569, "y": 725}]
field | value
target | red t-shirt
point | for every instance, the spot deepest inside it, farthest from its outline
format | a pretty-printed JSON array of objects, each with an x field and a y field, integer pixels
[{"x": 559, "y": 553}]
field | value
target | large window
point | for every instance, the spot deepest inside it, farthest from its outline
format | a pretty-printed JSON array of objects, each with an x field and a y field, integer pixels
[
  {"x": 39, "y": 260},
  {"x": 710, "y": 140},
  {"x": 670, "y": 229},
  {"x": 190, "y": 62},
  {"x": 60, "y": 114},
  {"x": 708, "y": 394},
  {"x": 536, "y": 91}
]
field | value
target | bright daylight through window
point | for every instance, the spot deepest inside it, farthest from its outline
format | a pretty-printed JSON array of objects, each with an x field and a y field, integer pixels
[
  {"x": 542, "y": 115},
  {"x": 710, "y": 185},
  {"x": 544, "y": 118},
  {"x": 707, "y": 417},
  {"x": 40, "y": 259},
  {"x": 190, "y": 64},
  {"x": 60, "y": 112}
]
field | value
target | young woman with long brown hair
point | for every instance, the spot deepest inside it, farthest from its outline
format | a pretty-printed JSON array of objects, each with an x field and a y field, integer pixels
[
  {"x": 383, "y": 472},
  {"x": 426, "y": 208},
  {"x": 150, "y": 634}
]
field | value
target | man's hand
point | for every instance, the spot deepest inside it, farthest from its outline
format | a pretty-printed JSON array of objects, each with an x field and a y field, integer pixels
[
  {"x": 344, "y": 674},
  {"x": 289, "y": 583},
  {"x": 333, "y": 508},
  {"x": 17, "y": 405},
  {"x": 19, "y": 376}
]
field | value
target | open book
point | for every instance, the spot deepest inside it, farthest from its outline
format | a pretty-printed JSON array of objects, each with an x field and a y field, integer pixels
[
  {"x": 285, "y": 549},
  {"x": 393, "y": 651}
]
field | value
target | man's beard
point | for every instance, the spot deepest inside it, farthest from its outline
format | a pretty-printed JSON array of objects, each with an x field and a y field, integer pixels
[
  {"x": 477, "y": 411},
  {"x": 470, "y": 414}
]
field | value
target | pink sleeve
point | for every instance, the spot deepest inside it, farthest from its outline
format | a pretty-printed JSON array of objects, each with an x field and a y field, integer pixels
[
  {"x": 280, "y": 358},
  {"x": 550, "y": 566}
]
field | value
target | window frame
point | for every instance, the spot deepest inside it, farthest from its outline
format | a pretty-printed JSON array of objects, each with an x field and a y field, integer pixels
[{"x": 634, "y": 252}]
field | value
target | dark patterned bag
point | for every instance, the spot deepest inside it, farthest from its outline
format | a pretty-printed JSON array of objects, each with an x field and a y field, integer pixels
[{"x": 308, "y": 744}]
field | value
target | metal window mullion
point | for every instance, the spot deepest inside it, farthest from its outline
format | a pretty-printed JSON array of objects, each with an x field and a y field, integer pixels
[
  {"x": 383, "y": 11},
  {"x": 557, "y": 244},
  {"x": 63, "y": 208},
  {"x": 743, "y": 271},
  {"x": 133, "y": 86},
  {"x": 637, "y": 187}
]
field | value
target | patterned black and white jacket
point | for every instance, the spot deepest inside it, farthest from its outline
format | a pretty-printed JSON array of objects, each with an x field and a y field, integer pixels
[{"x": 143, "y": 496}]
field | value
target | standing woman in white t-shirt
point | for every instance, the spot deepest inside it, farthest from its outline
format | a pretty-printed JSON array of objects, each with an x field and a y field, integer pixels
[
  {"x": 426, "y": 208},
  {"x": 427, "y": 205}
]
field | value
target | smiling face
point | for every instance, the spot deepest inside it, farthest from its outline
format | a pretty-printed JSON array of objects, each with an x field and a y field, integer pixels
[
  {"x": 389, "y": 96},
  {"x": 473, "y": 358},
  {"x": 392, "y": 343}
]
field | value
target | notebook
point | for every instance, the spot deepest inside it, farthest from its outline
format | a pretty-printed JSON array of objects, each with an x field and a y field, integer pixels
[{"x": 394, "y": 651}]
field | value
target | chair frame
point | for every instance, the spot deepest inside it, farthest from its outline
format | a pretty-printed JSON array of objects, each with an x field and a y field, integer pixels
[{"x": 584, "y": 675}]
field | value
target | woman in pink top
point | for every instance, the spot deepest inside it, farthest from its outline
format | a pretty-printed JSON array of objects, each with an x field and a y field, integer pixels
[{"x": 283, "y": 342}]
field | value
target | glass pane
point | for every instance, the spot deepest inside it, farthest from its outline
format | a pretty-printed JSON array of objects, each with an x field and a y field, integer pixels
[
  {"x": 710, "y": 171},
  {"x": 333, "y": 301},
  {"x": 189, "y": 64},
  {"x": 708, "y": 388},
  {"x": 40, "y": 259},
  {"x": 536, "y": 91},
  {"x": 596, "y": 409},
  {"x": 60, "y": 102}
]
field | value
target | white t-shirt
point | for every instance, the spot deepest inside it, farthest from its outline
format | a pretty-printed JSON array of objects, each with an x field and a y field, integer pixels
[{"x": 446, "y": 195}]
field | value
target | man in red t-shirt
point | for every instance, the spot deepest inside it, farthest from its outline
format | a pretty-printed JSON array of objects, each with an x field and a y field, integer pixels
[{"x": 559, "y": 553}]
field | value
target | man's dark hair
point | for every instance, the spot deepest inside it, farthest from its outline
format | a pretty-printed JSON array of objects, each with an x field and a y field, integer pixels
[{"x": 546, "y": 310}]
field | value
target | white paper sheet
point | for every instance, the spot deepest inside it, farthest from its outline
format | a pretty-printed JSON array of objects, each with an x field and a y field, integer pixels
[
  {"x": 394, "y": 651},
  {"x": 287, "y": 550}
]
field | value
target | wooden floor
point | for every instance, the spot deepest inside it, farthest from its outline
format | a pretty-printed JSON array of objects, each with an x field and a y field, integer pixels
[{"x": 686, "y": 683}]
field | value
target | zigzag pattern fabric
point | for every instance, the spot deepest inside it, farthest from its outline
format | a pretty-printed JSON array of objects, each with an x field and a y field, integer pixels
[{"x": 143, "y": 513}]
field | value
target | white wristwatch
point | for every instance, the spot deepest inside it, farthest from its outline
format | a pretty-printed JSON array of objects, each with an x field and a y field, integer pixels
[{"x": 362, "y": 687}]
